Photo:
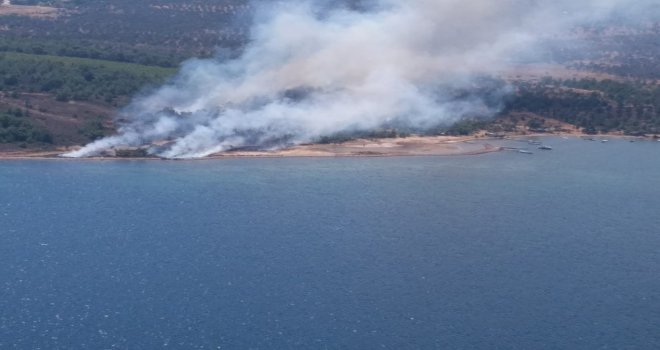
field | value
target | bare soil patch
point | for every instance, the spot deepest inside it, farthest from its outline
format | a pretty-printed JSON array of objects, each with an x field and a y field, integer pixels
[
  {"x": 62, "y": 119},
  {"x": 409, "y": 146},
  {"x": 30, "y": 11}
]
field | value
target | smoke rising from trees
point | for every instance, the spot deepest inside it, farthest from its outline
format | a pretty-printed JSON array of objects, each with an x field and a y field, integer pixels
[{"x": 311, "y": 70}]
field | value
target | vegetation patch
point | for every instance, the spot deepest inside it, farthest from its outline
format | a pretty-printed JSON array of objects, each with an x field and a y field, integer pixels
[
  {"x": 71, "y": 78},
  {"x": 632, "y": 107},
  {"x": 15, "y": 128}
]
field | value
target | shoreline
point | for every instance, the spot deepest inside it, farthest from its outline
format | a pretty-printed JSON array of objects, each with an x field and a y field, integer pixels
[{"x": 412, "y": 146}]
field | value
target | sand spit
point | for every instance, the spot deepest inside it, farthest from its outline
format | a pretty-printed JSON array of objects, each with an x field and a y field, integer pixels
[
  {"x": 7, "y": 9},
  {"x": 397, "y": 147},
  {"x": 392, "y": 147},
  {"x": 409, "y": 146}
]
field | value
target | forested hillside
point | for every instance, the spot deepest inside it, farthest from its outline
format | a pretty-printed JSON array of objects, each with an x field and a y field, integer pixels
[
  {"x": 102, "y": 52},
  {"x": 596, "y": 106},
  {"x": 169, "y": 30},
  {"x": 98, "y": 52},
  {"x": 72, "y": 78}
]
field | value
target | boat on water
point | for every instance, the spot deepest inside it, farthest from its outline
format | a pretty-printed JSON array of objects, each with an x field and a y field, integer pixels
[
  {"x": 524, "y": 151},
  {"x": 545, "y": 148},
  {"x": 604, "y": 141}
]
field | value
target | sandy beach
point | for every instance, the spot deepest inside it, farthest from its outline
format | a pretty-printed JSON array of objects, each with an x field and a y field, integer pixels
[
  {"x": 409, "y": 146},
  {"x": 388, "y": 147}
]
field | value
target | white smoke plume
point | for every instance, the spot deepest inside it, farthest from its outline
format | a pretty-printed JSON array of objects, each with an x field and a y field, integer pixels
[{"x": 310, "y": 71}]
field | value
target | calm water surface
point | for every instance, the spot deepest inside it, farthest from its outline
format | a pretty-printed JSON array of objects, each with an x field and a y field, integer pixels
[{"x": 556, "y": 250}]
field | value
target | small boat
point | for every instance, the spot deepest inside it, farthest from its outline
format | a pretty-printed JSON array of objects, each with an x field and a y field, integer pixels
[
  {"x": 534, "y": 142},
  {"x": 604, "y": 141},
  {"x": 545, "y": 148},
  {"x": 524, "y": 151}
]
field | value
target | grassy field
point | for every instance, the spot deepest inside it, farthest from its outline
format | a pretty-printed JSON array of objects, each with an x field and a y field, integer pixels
[
  {"x": 79, "y": 79},
  {"x": 157, "y": 72}
]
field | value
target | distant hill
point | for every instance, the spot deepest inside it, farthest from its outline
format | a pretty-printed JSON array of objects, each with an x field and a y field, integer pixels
[{"x": 172, "y": 29}]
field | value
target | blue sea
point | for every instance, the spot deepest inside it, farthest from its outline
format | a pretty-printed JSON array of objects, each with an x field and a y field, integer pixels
[{"x": 555, "y": 250}]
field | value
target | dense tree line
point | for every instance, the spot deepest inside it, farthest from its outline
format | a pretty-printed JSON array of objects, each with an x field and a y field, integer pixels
[
  {"x": 93, "y": 129},
  {"x": 595, "y": 106},
  {"x": 75, "y": 79},
  {"x": 16, "y": 128},
  {"x": 103, "y": 50}
]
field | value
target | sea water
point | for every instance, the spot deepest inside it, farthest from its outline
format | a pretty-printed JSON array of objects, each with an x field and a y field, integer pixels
[{"x": 555, "y": 250}]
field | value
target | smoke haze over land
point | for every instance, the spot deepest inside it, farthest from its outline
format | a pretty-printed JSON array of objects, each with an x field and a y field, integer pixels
[{"x": 312, "y": 70}]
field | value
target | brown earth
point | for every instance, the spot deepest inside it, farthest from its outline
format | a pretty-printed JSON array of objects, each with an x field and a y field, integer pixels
[
  {"x": 536, "y": 72},
  {"x": 30, "y": 11},
  {"x": 408, "y": 146},
  {"x": 62, "y": 119}
]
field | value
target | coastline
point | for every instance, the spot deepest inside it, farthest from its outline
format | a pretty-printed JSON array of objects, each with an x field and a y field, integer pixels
[
  {"x": 391, "y": 147},
  {"x": 384, "y": 147}
]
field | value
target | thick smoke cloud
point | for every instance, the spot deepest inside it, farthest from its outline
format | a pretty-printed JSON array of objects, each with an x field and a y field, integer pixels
[{"x": 310, "y": 70}]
